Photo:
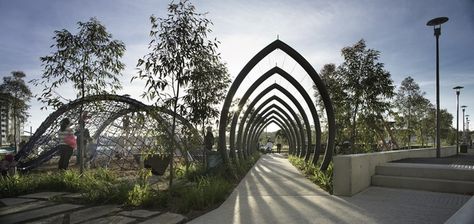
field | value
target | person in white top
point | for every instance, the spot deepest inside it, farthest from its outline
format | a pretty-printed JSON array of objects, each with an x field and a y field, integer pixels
[{"x": 269, "y": 146}]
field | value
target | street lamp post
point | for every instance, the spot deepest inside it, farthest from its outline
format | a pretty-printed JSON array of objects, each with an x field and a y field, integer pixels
[
  {"x": 463, "y": 107},
  {"x": 463, "y": 123},
  {"x": 458, "y": 90},
  {"x": 436, "y": 24}
]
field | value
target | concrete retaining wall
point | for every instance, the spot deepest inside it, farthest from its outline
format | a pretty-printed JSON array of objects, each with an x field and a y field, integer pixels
[{"x": 352, "y": 173}]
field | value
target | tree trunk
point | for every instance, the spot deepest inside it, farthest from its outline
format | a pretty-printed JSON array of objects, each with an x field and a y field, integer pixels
[
  {"x": 354, "y": 126},
  {"x": 173, "y": 128},
  {"x": 82, "y": 125},
  {"x": 15, "y": 130}
]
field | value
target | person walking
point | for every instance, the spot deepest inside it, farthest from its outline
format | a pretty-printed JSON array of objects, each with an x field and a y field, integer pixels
[{"x": 67, "y": 143}]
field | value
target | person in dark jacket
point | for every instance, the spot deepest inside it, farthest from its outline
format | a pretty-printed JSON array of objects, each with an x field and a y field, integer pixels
[{"x": 208, "y": 139}]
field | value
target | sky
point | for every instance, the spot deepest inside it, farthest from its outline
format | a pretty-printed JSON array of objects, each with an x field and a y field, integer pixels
[{"x": 317, "y": 29}]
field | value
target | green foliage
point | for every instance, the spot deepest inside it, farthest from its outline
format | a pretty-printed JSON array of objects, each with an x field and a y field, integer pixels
[
  {"x": 312, "y": 172},
  {"x": 89, "y": 59},
  {"x": 197, "y": 190},
  {"x": 140, "y": 195},
  {"x": 177, "y": 46},
  {"x": 89, "y": 183},
  {"x": 15, "y": 93},
  {"x": 411, "y": 108},
  {"x": 182, "y": 55},
  {"x": 206, "y": 192}
]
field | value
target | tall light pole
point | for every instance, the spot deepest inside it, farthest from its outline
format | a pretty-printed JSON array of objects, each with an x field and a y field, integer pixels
[
  {"x": 458, "y": 90},
  {"x": 467, "y": 122},
  {"x": 463, "y": 124},
  {"x": 463, "y": 107},
  {"x": 467, "y": 135},
  {"x": 436, "y": 24}
]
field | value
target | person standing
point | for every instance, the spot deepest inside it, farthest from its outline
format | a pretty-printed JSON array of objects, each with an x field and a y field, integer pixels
[
  {"x": 269, "y": 146},
  {"x": 67, "y": 143},
  {"x": 208, "y": 139},
  {"x": 82, "y": 142}
]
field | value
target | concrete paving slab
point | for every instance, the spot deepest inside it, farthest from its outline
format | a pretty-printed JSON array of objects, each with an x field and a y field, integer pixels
[
  {"x": 37, "y": 213},
  {"x": 293, "y": 201},
  {"x": 92, "y": 213},
  {"x": 166, "y": 218},
  {"x": 24, "y": 207},
  {"x": 15, "y": 201},
  {"x": 116, "y": 219},
  {"x": 139, "y": 213},
  {"x": 58, "y": 219},
  {"x": 73, "y": 196},
  {"x": 43, "y": 195}
]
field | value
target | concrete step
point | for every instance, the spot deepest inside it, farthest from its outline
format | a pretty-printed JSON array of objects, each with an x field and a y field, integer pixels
[
  {"x": 427, "y": 184},
  {"x": 434, "y": 171}
]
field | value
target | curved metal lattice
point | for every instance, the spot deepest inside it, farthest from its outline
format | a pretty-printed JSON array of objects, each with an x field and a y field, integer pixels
[{"x": 121, "y": 128}]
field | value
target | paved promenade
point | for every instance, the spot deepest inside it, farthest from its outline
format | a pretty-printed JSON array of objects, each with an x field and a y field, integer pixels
[
  {"x": 37, "y": 208},
  {"x": 275, "y": 192}
]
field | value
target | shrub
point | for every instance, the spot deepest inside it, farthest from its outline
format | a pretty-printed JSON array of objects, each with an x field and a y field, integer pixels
[
  {"x": 208, "y": 191},
  {"x": 322, "y": 178}
]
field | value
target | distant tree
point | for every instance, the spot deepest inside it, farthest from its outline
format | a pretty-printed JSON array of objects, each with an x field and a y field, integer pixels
[
  {"x": 177, "y": 46},
  {"x": 207, "y": 88},
  {"x": 90, "y": 60},
  {"x": 428, "y": 124},
  {"x": 367, "y": 88},
  {"x": 19, "y": 94},
  {"x": 411, "y": 105},
  {"x": 334, "y": 84}
]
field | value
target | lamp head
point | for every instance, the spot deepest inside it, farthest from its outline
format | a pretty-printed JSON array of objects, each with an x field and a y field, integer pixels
[
  {"x": 437, "y": 21},
  {"x": 458, "y": 89}
]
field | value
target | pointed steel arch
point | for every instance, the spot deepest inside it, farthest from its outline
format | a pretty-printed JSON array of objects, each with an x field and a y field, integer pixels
[
  {"x": 282, "y": 127},
  {"x": 251, "y": 138},
  {"x": 278, "y": 44},
  {"x": 272, "y": 98},
  {"x": 304, "y": 94},
  {"x": 262, "y": 124},
  {"x": 259, "y": 113},
  {"x": 277, "y": 111},
  {"x": 296, "y": 103}
]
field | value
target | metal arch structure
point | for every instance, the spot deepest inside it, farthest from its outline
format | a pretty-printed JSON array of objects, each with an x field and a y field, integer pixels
[
  {"x": 105, "y": 110},
  {"x": 278, "y": 44},
  {"x": 285, "y": 105},
  {"x": 300, "y": 109},
  {"x": 300, "y": 89},
  {"x": 296, "y": 130},
  {"x": 253, "y": 137},
  {"x": 258, "y": 97},
  {"x": 264, "y": 124},
  {"x": 267, "y": 121}
]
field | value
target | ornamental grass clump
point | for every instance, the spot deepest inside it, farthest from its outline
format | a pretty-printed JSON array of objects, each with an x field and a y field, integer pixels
[{"x": 322, "y": 178}]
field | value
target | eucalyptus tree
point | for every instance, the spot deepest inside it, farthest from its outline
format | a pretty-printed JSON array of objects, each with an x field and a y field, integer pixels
[
  {"x": 334, "y": 83},
  {"x": 174, "y": 62},
  {"x": 89, "y": 60},
  {"x": 411, "y": 106},
  {"x": 428, "y": 125},
  {"x": 367, "y": 87},
  {"x": 18, "y": 94},
  {"x": 207, "y": 88}
]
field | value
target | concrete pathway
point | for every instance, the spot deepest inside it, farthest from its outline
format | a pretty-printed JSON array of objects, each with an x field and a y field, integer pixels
[
  {"x": 37, "y": 208},
  {"x": 275, "y": 192}
]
